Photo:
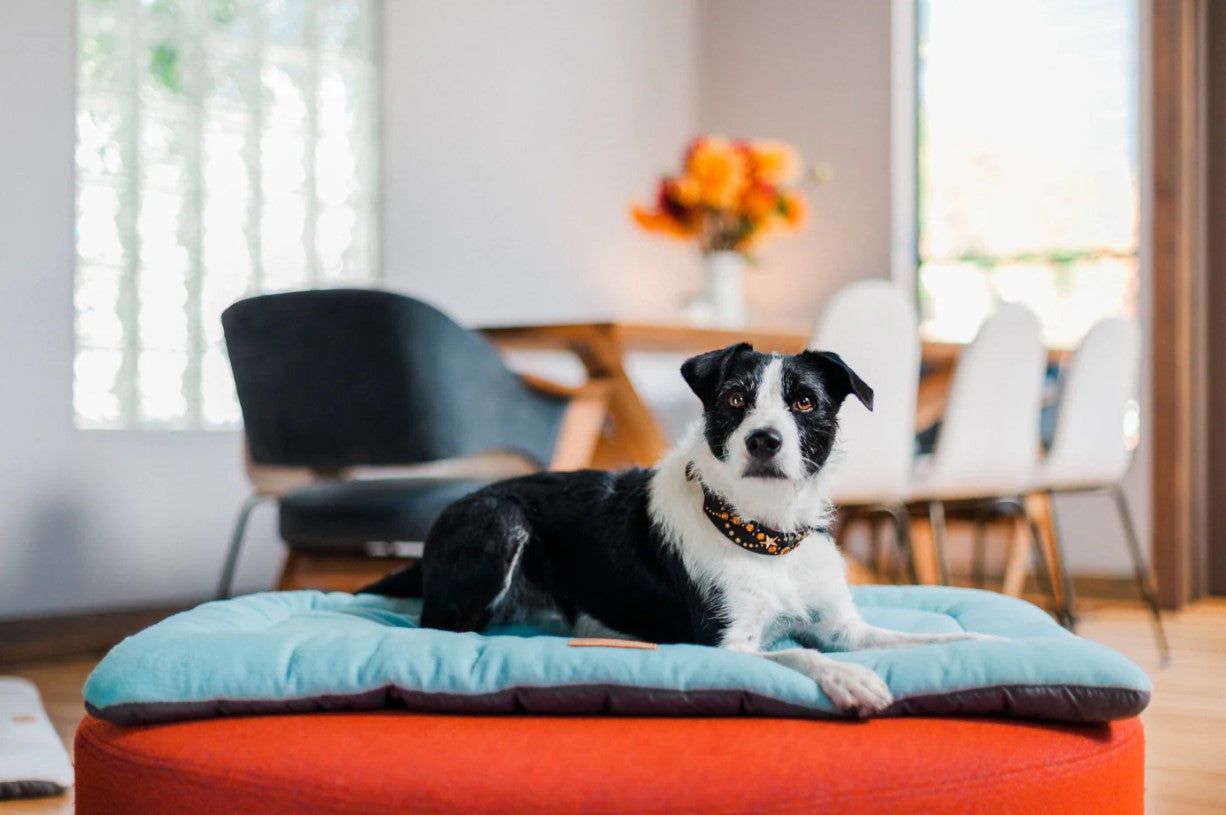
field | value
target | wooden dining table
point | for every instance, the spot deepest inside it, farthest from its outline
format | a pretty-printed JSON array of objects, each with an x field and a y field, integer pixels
[{"x": 634, "y": 436}]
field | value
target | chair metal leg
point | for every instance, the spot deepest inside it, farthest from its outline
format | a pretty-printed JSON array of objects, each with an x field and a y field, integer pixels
[
  {"x": 936, "y": 517},
  {"x": 875, "y": 553},
  {"x": 1143, "y": 575},
  {"x": 902, "y": 527},
  {"x": 979, "y": 551},
  {"x": 236, "y": 542}
]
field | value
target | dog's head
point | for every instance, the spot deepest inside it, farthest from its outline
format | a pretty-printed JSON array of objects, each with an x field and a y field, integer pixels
[{"x": 770, "y": 417}]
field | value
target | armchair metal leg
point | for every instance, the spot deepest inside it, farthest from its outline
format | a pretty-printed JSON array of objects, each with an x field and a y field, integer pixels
[
  {"x": 236, "y": 542},
  {"x": 936, "y": 517},
  {"x": 1143, "y": 575}
]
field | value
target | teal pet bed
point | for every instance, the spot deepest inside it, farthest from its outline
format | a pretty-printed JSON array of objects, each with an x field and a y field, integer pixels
[{"x": 308, "y": 651}]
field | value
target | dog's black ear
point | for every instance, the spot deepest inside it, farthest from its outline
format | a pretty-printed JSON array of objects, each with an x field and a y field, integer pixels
[
  {"x": 839, "y": 376},
  {"x": 706, "y": 372}
]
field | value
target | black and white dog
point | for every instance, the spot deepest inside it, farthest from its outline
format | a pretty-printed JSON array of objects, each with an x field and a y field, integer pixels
[{"x": 723, "y": 543}]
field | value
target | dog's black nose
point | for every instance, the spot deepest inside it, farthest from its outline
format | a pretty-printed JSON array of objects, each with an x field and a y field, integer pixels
[{"x": 764, "y": 443}]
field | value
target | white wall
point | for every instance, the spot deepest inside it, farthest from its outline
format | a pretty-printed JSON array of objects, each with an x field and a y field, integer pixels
[
  {"x": 515, "y": 137},
  {"x": 815, "y": 73}
]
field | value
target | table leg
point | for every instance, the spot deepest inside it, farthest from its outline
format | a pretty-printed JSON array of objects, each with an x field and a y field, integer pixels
[
  {"x": 1038, "y": 507},
  {"x": 633, "y": 437},
  {"x": 924, "y": 552},
  {"x": 1017, "y": 563}
]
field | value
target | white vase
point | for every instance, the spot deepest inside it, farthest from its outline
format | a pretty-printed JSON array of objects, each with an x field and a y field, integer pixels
[{"x": 722, "y": 299}]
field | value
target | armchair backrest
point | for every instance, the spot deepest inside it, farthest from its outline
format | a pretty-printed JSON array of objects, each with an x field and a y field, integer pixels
[{"x": 335, "y": 378}]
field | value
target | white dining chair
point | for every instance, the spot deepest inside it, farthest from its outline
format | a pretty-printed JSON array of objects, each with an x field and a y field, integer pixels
[
  {"x": 873, "y": 326},
  {"x": 988, "y": 444},
  {"x": 1089, "y": 451}
]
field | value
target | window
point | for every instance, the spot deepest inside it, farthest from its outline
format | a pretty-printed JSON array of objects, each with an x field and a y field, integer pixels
[
  {"x": 224, "y": 148},
  {"x": 1027, "y": 154}
]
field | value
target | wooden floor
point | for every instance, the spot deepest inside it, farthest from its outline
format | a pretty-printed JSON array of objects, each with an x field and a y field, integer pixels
[{"x": 1185, "y": 725}]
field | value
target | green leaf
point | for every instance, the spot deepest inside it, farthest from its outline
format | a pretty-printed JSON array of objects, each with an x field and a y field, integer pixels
[{"x": 164, "y": 64}]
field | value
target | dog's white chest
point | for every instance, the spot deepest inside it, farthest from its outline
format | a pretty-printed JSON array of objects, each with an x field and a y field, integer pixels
[{"x": 748, "y": 584}]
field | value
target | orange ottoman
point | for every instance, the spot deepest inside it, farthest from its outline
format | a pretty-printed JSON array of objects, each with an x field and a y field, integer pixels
[{"x": 395, "y": 762}]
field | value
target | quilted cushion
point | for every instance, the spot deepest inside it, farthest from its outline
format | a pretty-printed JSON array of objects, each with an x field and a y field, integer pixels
[{"x": 305, "y": 651}]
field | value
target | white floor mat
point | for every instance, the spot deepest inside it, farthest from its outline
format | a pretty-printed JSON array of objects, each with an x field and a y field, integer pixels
[{"x": 32, "y": 757}]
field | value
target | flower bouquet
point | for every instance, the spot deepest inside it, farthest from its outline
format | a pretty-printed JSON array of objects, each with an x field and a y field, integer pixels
[{"x": 728, "y": 197}]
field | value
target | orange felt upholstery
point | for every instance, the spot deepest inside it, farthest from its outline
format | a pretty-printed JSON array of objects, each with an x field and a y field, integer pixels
[{"x": 393, "y": 762}]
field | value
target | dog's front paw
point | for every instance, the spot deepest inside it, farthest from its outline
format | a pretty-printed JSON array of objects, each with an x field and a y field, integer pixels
[{"x": 853, "y": 688}]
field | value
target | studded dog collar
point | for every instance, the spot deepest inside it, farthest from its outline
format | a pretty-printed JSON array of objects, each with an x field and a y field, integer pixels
[{"x": 747, "y": 534}]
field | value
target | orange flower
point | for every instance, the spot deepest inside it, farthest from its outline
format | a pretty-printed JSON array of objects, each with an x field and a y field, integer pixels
[
  {"x": 773, "y": 163},
  {"x": 792, "y": 207},
  {"x": 685, "y": 190},
  {"x": 719, "y": 169},
  {"x": 760, "y": 202},
  {"x": 655, "y": 221}
]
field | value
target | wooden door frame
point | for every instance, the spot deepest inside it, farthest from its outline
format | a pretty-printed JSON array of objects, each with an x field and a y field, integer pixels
[
  {"x": 1214, "y": 94},
  {"x": 1178, "y": 338}
]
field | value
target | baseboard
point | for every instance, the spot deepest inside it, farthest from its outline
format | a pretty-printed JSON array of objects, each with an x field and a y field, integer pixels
[
  {"x": 1094, "y": 587},
  {"x": 34, "y": 639}
]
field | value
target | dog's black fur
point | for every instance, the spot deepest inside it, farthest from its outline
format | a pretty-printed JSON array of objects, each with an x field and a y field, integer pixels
[
  {"x": 587, "y": 542},
  {"x": 591, "y": 548}
]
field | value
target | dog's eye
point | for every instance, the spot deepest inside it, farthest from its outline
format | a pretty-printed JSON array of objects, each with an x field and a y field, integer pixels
[
  {"x": 803, "y": 404},
  {"x": 736, "y": 399}
]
